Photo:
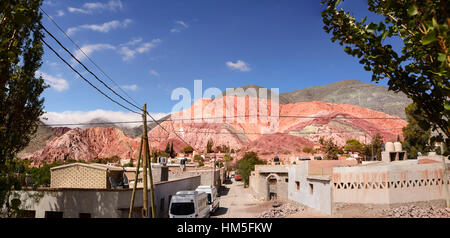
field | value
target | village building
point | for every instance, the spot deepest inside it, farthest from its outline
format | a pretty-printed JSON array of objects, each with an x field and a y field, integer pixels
[
  {"x": 325, "y": 185},
  {"x": 268, "y": 182},
  {"x": 98, "y": 191}
]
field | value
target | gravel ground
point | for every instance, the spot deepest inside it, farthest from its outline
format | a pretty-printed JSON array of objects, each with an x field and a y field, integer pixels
[
  {"x": 281, "y": 211},
  {"x": 416, "y": 212}
]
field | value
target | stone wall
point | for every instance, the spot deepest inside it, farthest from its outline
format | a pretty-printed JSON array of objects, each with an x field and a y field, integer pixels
[{"x": 78, "y": 176}]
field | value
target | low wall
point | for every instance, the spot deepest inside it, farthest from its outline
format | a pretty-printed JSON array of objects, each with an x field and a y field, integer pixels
[{"x": 391, "y": 183}]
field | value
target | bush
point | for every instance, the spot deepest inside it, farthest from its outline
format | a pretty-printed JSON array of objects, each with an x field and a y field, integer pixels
[{"x": 247, "y": 164}]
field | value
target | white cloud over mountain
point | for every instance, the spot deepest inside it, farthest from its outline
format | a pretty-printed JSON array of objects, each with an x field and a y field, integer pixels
[{"x": 74, "y": 117}]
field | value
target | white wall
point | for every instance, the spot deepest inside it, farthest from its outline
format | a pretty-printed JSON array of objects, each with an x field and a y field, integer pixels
[{"x": 319, "y": 200}]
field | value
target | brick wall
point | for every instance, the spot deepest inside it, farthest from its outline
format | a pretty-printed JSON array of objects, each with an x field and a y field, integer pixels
[{"x": 78, "y": 177}]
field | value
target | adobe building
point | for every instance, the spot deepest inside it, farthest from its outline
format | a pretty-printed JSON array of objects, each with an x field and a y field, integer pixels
[
  {"x": 323, "y": 185},
  {"x": 97, "y": 191},
  {"x": 269, "y": 182}
]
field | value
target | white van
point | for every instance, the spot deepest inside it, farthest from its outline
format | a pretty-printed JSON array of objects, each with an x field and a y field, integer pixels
[
  {"x": 213, "y": 200},
  {"x": 189, "y": 204}
]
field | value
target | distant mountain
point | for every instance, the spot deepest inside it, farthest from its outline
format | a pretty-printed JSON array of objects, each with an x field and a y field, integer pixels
[
  {"x": 353, "y": 92},
  {"x": 43, "y": 134}
]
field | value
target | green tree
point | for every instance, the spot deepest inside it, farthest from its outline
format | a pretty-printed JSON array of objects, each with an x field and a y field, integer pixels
[
  {"x": 308, "y": 150},
  {"x": 209, "y": 146},
  {"x": 188, "y": 149},
  {"x": 421, "y": 68},
  {"x": 417, "y": 134},
  {"x": 167, "y": 150},
  {"x": 227, "y": 159},
  {"x": 247, "y": 164},
  {"x": 374, "y": 148},
  {"x": 353, "y": 145},
  {"x": 331, "y": 150},
  {"x": 21, "y": 103},
  {"x": 172, "y": 152}
]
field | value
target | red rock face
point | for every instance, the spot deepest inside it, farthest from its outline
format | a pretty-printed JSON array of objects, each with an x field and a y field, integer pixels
[{"x": 299, "y": 125}]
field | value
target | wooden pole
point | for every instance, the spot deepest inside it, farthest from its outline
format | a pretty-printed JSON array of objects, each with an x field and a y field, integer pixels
[
  {"x": 136, "y": 179},
  {"x": 445, "y": 180},
  {"x": 145, "y": 148},
  {"x": 152, "y": 191}
]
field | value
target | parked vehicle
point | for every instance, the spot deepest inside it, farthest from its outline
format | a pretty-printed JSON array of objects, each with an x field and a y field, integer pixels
[
  {"x": 213, "y": 200},
  {"x": 237, "y": 177},
  {"x": 189, "y": 204}
]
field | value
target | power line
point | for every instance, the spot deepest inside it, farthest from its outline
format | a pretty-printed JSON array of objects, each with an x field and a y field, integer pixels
[
  {"x": 84, "y": 66},
  {"x": 87, "y": 56},
  {"x": 100, "y": 91}
]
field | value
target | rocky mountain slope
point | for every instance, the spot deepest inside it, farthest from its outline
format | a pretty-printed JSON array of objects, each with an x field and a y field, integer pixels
[
  {"x": 299, "y": 125},
  {"x": 354, "y": 92}
]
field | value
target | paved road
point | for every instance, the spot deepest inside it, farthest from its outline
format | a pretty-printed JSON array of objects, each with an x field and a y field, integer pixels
[{"x": 237, "y": 202}]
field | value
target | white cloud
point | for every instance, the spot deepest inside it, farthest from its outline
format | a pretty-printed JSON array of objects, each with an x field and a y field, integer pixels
[
  {"x": 239, "y": 65},
  {"x": 154, "y": 73},
  {"x": 89, "y": 49},
  {"x": 104, "y": 28},
  {"x": 183, "y": 24},
  {"x": 73, "y": 117},
  {"x": 180, "y": 25},
  {"x": 60, "y": 13},
  {"x": 91, "y": 7},
  {"x": 56, "y": 83},
  {"x": 77, "y": 10},
  {"x": 133, "y": 87},
  {"x": 128, "y": 52}
]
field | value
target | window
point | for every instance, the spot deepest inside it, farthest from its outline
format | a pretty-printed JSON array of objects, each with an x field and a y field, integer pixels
[
  {"x": 311, "y": 188},
  {"x": 286, "y": 180},
  {"x": 84, "y": 215},
  {"x": 298, "y": 185},
  {"x": 26, "y": 214},
  {"x": 182, "y": 208},
  {"x": 51, "y": 214}
]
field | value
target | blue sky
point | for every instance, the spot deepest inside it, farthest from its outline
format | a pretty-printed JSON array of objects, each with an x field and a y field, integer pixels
[{"x": 151, "y": 47}]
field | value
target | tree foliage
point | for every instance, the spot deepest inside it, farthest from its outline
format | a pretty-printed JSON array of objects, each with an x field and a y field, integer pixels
[
  {"x": 308, "y": 150},
  {"x": 353, "y": 145},
  {"x": 21, "y": 104},
  {"x": 209, "y": 146},
  {"x": 188, "y": 149},
  {"x": 330, "y": 149},
  {"x": 421, "y": 68},
  {"x": 374, "y": 148},
  {"x": 417, "y": 133},
  {"x": 247, "y": 164}
]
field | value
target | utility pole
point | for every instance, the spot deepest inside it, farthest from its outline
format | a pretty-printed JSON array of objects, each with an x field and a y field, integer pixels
[
  {"x": 136, "y": 179},
  {"x": 152, "y": 191},
  {"x": 144, "y": 149},
  {"x": 214, "y": 171}
]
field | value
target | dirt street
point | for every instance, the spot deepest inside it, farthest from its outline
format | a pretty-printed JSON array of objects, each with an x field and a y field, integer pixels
[{"x": 237, "y": 202}]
